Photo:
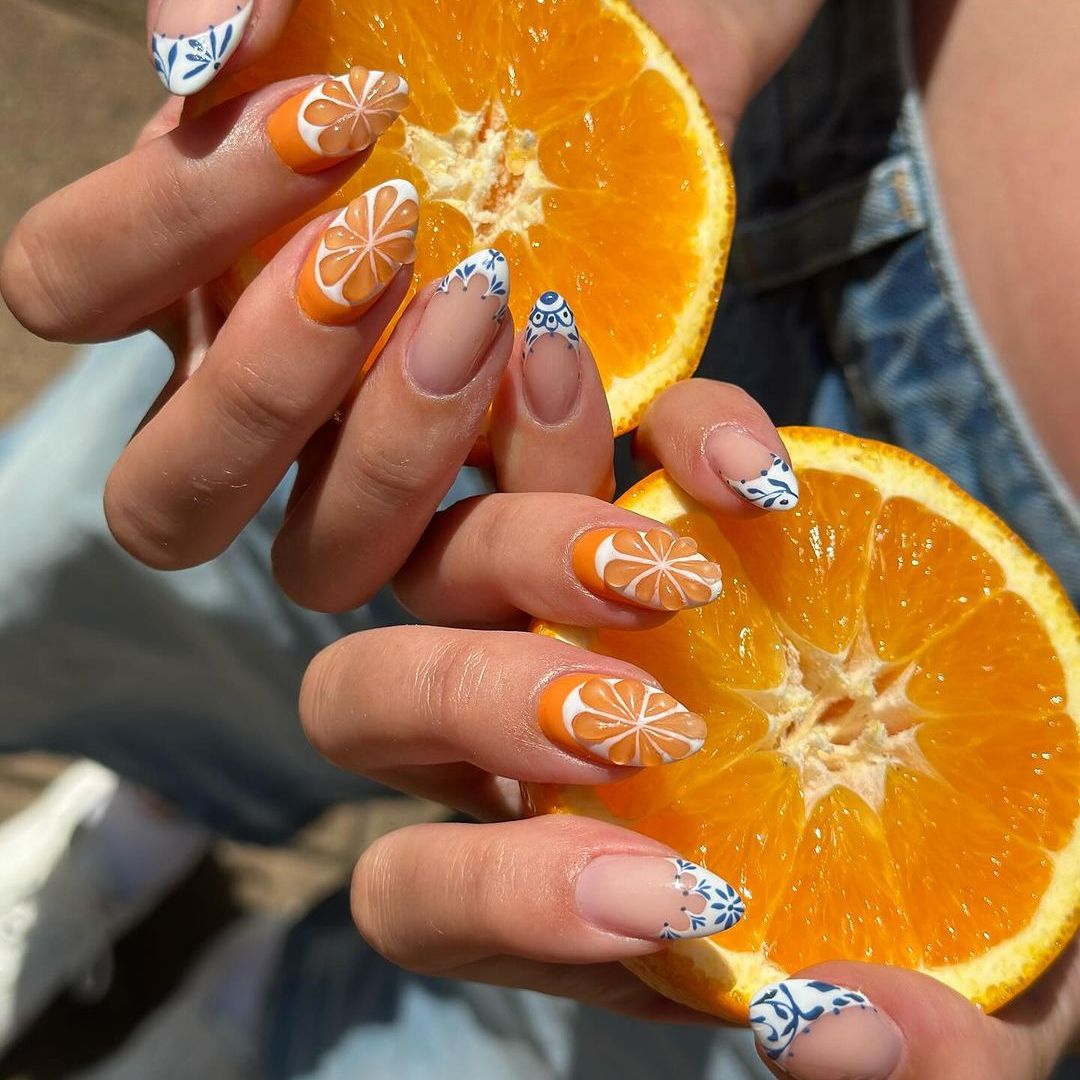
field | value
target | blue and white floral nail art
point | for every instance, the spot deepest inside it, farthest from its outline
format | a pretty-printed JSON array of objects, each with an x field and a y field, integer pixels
[
  {"x": 186, "y": 64},
  {"x": 551, "y": 316},
  {"x": 780, "y": 1013},
  {"x": 707, "y": 905},
  {"x": 491, "y": 265},
  {"x": 774, "y": 488}
]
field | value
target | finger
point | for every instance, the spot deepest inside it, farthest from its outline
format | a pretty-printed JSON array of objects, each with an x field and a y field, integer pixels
[
  {"x": 879, "y": 1023},
  {"x": 201, "y": 468},
  {"x": 556, "y": 889},
  {"x": 192, "y": 41},
  {"x": 720, "y": 446},
  {"x": 565, "y": 558},
  {"x": 402, "y": 442},
  {"x": 551, "y": 428},
  {"x": 564, "y": 715},
  {"x": 98, "y": 257}
]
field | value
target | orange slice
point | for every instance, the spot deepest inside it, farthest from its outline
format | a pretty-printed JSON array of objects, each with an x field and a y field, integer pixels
[
  {"x": 891, "y": 687},
  {"x": 563, "y": 133}
]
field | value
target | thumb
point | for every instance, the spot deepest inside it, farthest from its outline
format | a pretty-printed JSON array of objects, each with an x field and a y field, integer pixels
[{"x": 848, "y": 1021}]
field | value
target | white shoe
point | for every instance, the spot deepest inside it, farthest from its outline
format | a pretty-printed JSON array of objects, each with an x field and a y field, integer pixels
[
  {"x": 208, "y": 1030},
  {"x": 78, "y": 867}
]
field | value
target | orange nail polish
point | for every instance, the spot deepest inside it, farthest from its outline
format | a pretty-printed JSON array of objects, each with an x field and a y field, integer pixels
[
  {"x": 618, "y": 721},
  {"x": 654, "y": 569},
  {"x": 336, "y": 118},
  {"x": 359, "y": 253}
]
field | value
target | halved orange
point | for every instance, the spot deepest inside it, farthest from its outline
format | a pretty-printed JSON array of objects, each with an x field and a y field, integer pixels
[
  {"x": 562, "y": 132},
  {"x": 891, "y": 683}
]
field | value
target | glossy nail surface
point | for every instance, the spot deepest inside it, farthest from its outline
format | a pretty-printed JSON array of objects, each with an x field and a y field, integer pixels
[
  {"x": 359, "y": 253},
  {"x": 752, "y": 470},
  {"x": 618, "y": 721},
  {"x": 551, "y": 365},
  {"x": 460, "y": 323},
  {"x": 336, "y": 118},
  {"x": 192, "y": 40},
  {"x": 816, "y": 1030},
  {"x": 654, "y": 569},
  {"x": 653, "y": 897}
]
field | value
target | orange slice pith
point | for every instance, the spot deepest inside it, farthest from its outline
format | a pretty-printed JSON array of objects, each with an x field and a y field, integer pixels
[
  {"x": 562, "y": 132},
  {"x": 891, "y": 683}
]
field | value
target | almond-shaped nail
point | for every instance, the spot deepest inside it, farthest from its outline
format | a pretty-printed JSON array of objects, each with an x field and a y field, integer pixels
[
  {"x": 654, "y": 569},
  {"x": 460, "y": 323},
  {"x": 656, "y": 898},
  {"x": 815, "y": 1030},
  {"x": 359, "y": 253},
  {"x": 192, "y": 40},
  {"x": 618, "y": 721},
  {"x": 336, "y": 118},
  {"x": 752, "y": 470},
  {"x": 551, "y": 364}
]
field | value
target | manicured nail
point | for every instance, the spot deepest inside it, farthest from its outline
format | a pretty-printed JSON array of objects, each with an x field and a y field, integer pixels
[
  {"x": 654, "y": 569},
  {"x": 337, "y": 118},
  {"x": 818, "y": 1031},
  {"x": 460, "y": 323},
  {"x": 551, "y": 368},
  {"x": 752, "y": 470},
  {"x": 192, "y": 40},
  {"x": 360, "y": 252},
  {"x": 619, "y": 721},
  {"x": 653, "y": 897}
]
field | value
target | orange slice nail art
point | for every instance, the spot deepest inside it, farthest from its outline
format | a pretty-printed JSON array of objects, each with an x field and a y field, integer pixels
[
  {"x": 360, "y": 252},
  {"x": 654, "y": 569},
  {"x": 621, "y": 721},
  {"x": 336, "y": 118}
]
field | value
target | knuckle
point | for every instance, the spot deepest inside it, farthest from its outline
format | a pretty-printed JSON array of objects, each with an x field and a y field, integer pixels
[
  {"x": 320, "y": 697},
  {"x": 31, "y": 284},
  {"x": 143, "y": 531},
  {"x": 387, "y": 477},
  {"x": 452, "y": 683},
  {"x": 371, "y": 887},
  {"x": 256, "y": 408}
]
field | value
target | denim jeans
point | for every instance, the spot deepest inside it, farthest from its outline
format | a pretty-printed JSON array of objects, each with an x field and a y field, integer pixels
[{"x": 843, "y": 307}]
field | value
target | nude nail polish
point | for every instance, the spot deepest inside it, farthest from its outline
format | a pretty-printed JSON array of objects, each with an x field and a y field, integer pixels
[
  {"x": 193, "y": 39},
  {"x": 652, "y": 569},
  {"x": 460, "y": 323},
  {"x": 359, "y": 252},
  {"x": 815, "y": 1030},
  {"x": 551, "y": 364},
  {"x": 336, "y": 118},
  {"x": 753, "y": 471},
  {"x": 618, "y": 721},
  {"x": 656, "y": 898}
]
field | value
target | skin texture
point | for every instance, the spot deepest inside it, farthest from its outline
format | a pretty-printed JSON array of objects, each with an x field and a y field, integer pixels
[{"x": 1002, "y": 106}]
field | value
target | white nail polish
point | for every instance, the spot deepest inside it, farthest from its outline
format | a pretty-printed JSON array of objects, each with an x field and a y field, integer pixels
[
  {"x": 551, "y": 318},
  {"x": 187, "y": 63},
  {"x": 490, "y": 266},
  {"x": 774, "y": 488}
]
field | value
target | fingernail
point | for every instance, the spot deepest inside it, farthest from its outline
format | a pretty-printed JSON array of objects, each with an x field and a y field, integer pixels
[
  {"x": 752, "y": 470},
  {"x": 460, "y": 323},
  {"x": 819, "y": 1031},
  {"x": 359, "y": 253},
  {"x": 654, "y": 569},
  {"x": 551, "y": 368},
  {"x": 653, "y": 897},
  {"x": 192, "y": 40},
  {"x": 337, "y": 118},
  {"x": 618, "y": 721}
]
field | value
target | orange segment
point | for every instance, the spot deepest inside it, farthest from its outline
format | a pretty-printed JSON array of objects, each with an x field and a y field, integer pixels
[
  {"x": 565, "y": 134},
  {"x": 890, "y": 682}
]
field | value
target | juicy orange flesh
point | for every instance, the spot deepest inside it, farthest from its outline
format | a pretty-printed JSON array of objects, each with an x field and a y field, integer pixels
[
  {"x": 889, "y": 769},
  {"x": 533, "y": 129}
]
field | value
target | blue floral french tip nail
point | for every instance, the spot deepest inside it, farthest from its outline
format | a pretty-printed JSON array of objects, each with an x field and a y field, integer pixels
[
  {"x": 780, "y": 1013},
  {"x": 551, "y": 317},
  {"x": 489, "y": 265},
  {"x": 774, "y": 488},
  {"x": 187, "y": 63}
]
